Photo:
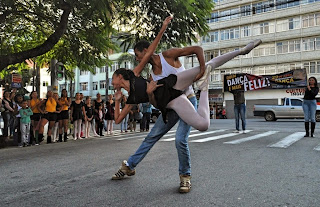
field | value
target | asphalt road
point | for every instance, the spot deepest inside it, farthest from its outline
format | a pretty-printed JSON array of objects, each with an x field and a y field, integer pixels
[{"x": 271, "y": 165}]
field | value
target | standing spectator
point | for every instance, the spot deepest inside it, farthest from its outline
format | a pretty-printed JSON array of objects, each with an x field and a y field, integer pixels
[
  {"x": 109, "y": 116},
  {"x": 132, "y": 117},
  {"x": 96, "y": 105},
  {"x": 77, "y": 112},
  {"x": 89, "y": 114},
  {"x": 16, "y": 121},
  {"x": 25, "y": 122},
  {"x": 35, "y": 118},
  {"x": 146, "y": 112},
  {"x": 12, "y": 98},
  {"x": 239, "y": 109},
  {"x": 55, "y": 129},
  {"x": 65, "y": 103},
  {"x": 309, "y": 105},
  {"x": 124, "y": 122},
  {"x": 7, "y": 114},
  {"x": 99, "y": 119},
  {"x": 48, "y": 110}
]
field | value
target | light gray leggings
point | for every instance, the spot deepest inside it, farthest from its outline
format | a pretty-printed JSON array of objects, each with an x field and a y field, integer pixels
[{"x": 199, "y": 120}]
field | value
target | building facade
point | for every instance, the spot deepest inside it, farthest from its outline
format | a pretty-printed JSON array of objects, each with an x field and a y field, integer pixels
[
  {"x": 90, "y": 84},
  {"x": 290, "y": 31}
]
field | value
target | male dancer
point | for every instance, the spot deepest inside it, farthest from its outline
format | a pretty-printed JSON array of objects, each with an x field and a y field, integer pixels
[{"x": 163, "y": 65}]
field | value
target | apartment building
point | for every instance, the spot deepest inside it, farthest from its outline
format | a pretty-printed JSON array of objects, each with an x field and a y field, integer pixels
[
  {"x": 90, "y": 84},
  {"x": 290, "y": 31}
]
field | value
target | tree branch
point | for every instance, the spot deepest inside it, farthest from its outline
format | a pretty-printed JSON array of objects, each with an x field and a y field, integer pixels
[{"x": 53, "y": 39}]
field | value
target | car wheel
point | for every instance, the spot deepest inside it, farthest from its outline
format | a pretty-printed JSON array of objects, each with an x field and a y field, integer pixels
[
  {"x": 318, "y": 116},
  {"x": 269, "y": 116}
]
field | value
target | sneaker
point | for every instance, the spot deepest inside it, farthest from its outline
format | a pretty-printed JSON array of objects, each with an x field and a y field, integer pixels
[
  {"x": 244, "y": 131},
  {"x": 236, "y": 131},
  {"x": 185, "y": 184},
  {"x": 124, "y": 170}
]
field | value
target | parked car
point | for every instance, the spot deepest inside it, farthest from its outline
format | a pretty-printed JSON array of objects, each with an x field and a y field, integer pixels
[{"x": 290, "y": 108}]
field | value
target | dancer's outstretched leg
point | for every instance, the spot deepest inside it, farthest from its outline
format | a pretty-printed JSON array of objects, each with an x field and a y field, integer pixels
[
  {"x": 186, "y": 77},
  {"x": 201, "y": 119}
]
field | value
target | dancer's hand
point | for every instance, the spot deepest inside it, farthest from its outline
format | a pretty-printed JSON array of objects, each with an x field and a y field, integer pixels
[
  {"x": 167, "y": 21},
  {"x": 200, "y": 74},
  {"x": 118, "y": 95},
  {"x": 152, "y": 86}
]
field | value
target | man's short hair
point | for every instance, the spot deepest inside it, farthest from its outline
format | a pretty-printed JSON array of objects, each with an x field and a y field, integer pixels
[{"x": 141, "y": 45}]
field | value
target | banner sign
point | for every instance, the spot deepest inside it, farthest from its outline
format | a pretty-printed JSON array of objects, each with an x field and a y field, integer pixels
[
  {"x": 248, "y": 82},
  {"x": 16, "y": 80}
]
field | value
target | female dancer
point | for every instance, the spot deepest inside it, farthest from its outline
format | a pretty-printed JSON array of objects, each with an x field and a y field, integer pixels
[
  {"x": 89, "y": 112},
  {"x": 109, "y": 115},
  {"x": 48, "y": 115},
  {"x": 65, "y": 102},
  {"x": 77, "y": 112},
  {"x": 167, "y": 92},
  {"x": 96, "y": 105},
  {"x": 310, "y": 105}
]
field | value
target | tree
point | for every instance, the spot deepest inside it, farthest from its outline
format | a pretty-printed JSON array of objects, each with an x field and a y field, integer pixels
[{"x": 77, "y": 32}]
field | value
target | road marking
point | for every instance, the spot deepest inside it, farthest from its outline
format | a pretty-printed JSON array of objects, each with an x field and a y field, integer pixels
[
  {"x": 195, "y": 135},
  {"x": 289, "y": 140},
  {"x": 317, "y": 148},
  {"x": 169, "y": 133},
  {"x": 218, "y": 137},
  {"x": 257, "y": 136}
]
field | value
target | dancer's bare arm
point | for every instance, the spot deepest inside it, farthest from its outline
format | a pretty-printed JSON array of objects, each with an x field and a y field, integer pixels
[
  {"x": 152, "y": 48},
  {"x": 119, "y": 116},
  {"x": 173, "y": 54}
]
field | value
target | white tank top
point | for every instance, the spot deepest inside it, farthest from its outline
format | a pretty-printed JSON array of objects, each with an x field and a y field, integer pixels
[{"x": 167, "y": 69}]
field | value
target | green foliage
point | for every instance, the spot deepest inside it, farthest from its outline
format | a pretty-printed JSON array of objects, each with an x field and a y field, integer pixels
[
  {"x": 145, "y": 18},
  {"x": 84, "y": 38}
]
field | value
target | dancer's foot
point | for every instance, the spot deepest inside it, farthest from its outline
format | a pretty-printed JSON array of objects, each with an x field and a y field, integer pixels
[
  {"x": 250, "y": 46},
  {"x": 203, "y": 83},
  {"x": 124, "y": 170},
  {"x": 185, "y": 184}
]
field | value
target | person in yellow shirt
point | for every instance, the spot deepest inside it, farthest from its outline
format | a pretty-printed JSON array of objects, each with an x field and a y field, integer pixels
[
  {"x": 35, "y": 118},
  {"x": 65, "y": 102},
  {"x": 48, "y": 110}
]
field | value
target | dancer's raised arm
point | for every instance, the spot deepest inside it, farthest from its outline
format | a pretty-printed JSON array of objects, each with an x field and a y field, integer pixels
[{"x": 152, "y": 48}]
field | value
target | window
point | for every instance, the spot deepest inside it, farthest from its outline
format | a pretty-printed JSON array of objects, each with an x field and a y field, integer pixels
[
  {"x": 294, "y": 23},
  {"x": 103, "y": 84},
  {"x": 227, "y": 34},
  {"x": 246, "y": 10},
  {"x": 214, "y": 36},
  {"x": 114, "y": 66},
  {"x": 103, "y": 69},
  {"x": 317, "y": 43},
  {"x": 311, "y": 20},
  {"x": 84, "y": 86},
  {"x": 245, "y": 31},
  {"x": 94, "y": 86},
  {"x": 308, "y": 44},
  {"x": 45, "y": 83},
  {"x": 61, "y": 87},
  {"x": 296, "y": 102},
  {"x": 312, "y": 67},
  {"x": 83, "y": 72},
  {"x": 263, "y": 28}
]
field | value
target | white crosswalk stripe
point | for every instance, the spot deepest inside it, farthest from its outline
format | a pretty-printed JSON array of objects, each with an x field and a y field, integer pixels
[
  {"x": 289, "y": 140},
  {"x": 217, "y": 137},
  {"x": 257, "y": 136},
  {"x": 169, "y": 133},
  {"x": 317, "y": 148},
  {"x": 195, "y": 135}
]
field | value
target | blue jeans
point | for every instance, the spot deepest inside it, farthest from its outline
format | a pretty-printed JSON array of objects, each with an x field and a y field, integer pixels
[
  {"x": 158, "y": 130},
  {"x": 309, "y": 110},
  {"x": 124, "y": 124},
  {"x": 240, "y": 109}
]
